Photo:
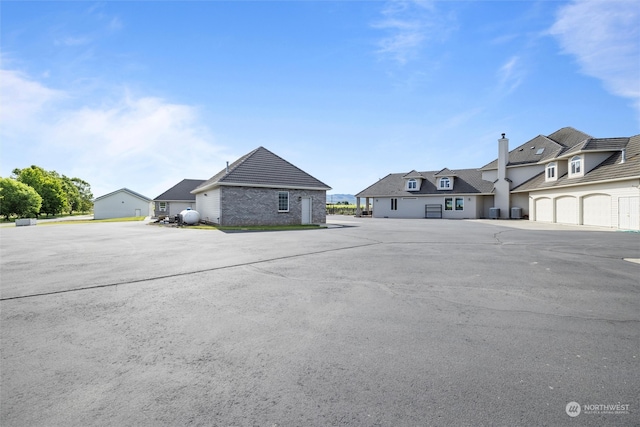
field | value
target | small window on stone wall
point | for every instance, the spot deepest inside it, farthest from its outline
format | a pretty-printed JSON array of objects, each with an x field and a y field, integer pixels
[{"x": 283, "y": 201}]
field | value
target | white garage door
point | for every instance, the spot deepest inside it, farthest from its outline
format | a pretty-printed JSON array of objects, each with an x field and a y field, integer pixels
[
  {"x": 596, "y": 210},
  {"x": 544, "y": 210},
  {"x": 567, "y": 210}
]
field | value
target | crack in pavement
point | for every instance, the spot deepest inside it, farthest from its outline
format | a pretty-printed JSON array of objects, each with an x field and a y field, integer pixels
[{"x": 187, "y": 273}]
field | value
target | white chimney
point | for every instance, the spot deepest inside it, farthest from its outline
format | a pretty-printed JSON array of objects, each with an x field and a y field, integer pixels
[
  {"x": 502, "y": 190},
  {"x": 503, "y": 157}
]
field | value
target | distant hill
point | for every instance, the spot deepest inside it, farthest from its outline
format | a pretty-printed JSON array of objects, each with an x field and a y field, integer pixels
[{"x": 335, "y": 198}]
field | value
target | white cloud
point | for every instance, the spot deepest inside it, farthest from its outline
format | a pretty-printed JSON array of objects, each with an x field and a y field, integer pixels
[
  {"x": 511, "y": 74},
  {"x": 143, "y": 143},
  {"x": 409, "y": 25},
  {"x": 604, "y": 36},
  {"x": 23, "y": 102}
]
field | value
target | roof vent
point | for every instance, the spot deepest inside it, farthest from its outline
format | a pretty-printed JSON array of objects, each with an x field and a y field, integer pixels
[
  {"x": 623, "y": 157},
  {"x": 227, "y": 167}
]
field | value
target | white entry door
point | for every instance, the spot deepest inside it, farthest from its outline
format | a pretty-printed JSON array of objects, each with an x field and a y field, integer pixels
[
  {"x": 306, "y": 210},
  {"x": 629, "y": 213},
  {"x": 138, "y": 212}
]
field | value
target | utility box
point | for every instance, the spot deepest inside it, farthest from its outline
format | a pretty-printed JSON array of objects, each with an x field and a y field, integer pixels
[
  {"x": 25, "y": 221},
  {"x": 516, "y": 213},
  {"x": 494, "y": 213}
]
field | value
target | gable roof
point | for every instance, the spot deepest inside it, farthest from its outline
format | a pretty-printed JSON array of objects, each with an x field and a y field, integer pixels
[
  {"x": 468, "y": 181},
  {"x": 413, "y": 174},
  {"x": 181, "y": 191},
  {"x": 123, "y": 190},
  {"x": 542, "y": 148},
  {"x": 609, "y": 170},
  {"x": 445, "y": 172},
  {"x": 262, "y": 168}
]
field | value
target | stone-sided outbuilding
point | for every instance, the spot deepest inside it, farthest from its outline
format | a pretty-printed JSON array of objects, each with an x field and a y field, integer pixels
[{"x": 261, "y": 188}]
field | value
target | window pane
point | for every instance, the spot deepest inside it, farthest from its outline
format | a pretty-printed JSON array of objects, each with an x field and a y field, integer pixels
[
  {"x": 459, "y": 203},
  {"x": 448, "y": 204},
  {"x": 283, "y": 201}
]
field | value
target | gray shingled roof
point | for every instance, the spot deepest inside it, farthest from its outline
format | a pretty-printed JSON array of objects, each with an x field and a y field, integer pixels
[
  {"x": 126, "y": 190},
  {"x": 263, "y": 168},
  {"x": 466, "y": 181},
  {"x": 596, "y": 144},
  {"x": 181, "y": 191},
  {"x": 549, "y": 147},
  {"x": 610, "y": 169},
  {"x": 568, "y": 136}
]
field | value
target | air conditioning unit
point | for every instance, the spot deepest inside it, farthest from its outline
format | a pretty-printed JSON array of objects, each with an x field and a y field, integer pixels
[
  {"x": 494, "y": 213},
  {"x": 516, "y": 213}
]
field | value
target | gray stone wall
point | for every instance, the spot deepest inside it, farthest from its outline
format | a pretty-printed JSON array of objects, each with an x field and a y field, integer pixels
[{"x": 259, "y": 206}]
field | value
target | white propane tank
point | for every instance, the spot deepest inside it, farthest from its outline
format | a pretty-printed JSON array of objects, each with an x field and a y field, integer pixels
[{"x": 190, "y": 217}]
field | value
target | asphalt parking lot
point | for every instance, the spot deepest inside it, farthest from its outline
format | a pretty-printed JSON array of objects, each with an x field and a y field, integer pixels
[{"x": 370, "y": 322}]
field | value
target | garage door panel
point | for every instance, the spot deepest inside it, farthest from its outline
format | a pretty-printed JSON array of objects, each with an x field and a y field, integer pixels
[
  {"x": 544, "y": 210},
  {"x": 596, "y": 210},
  {"x": 567, "y": 210}
]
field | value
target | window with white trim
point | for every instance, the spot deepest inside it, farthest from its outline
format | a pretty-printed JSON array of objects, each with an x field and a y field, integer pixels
[
  {"x": 412, "y": 184},
  {"x": 459, "y": 203},
  {"x": 551, "y": 172},
  {"x": 394, "y": 204},
  {"x": 575, "y": 165},
  {"x": 283, "y": 201},
  {"x": 162, "y": 206},
  {"x": 444, "y": 183},
  {"x": 448, "y": 204}
]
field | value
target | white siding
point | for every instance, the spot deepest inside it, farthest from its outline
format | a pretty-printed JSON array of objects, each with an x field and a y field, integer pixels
[
  {"x": 414, "y": 207},
  {"x": 208, "y": 206},
  {"x": 176, "y": 207},
  {"x": 567, "y": 210},
  {"x": 520, "y": 174},
  {"x": 602, "y": 204},
  {"x": 121, "y": 204}
]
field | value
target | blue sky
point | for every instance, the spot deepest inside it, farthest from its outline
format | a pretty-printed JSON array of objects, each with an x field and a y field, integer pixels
[{"x": 143, "y": 94}]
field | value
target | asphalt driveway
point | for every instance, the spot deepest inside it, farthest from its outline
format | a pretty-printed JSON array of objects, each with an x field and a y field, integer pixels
[{"x": 367, "y": 322}]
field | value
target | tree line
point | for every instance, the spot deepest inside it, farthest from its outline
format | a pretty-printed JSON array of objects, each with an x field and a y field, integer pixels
[{"x": 33, "y": 191}]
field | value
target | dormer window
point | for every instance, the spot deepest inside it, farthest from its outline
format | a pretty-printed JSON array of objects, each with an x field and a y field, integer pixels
[
  {"x": 575, "y": 166},
  {"x": 444, "y": 183},
  {"x": 551, "y": 172},
  {"x": 412, "y": 184}
]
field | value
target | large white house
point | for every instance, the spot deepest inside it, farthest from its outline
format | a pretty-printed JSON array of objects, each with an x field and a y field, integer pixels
[{"x": 566, "y": 177}]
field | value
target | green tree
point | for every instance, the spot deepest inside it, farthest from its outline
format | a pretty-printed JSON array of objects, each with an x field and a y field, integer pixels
[
  {"x": 74, "y": 202},
  {"x": 18, "y": 199},
  {"x": 48, "y": 185},
  {"x": 86, "y": 196}
]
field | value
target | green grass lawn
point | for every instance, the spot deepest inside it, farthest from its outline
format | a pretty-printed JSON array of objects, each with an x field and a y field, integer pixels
[
  {"x": 93, "y": 221},
  {"x": 255, "y": 227}
]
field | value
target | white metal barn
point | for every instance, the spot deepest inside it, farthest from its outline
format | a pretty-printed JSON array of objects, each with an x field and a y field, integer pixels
[{"x": 122, "y": 203}]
